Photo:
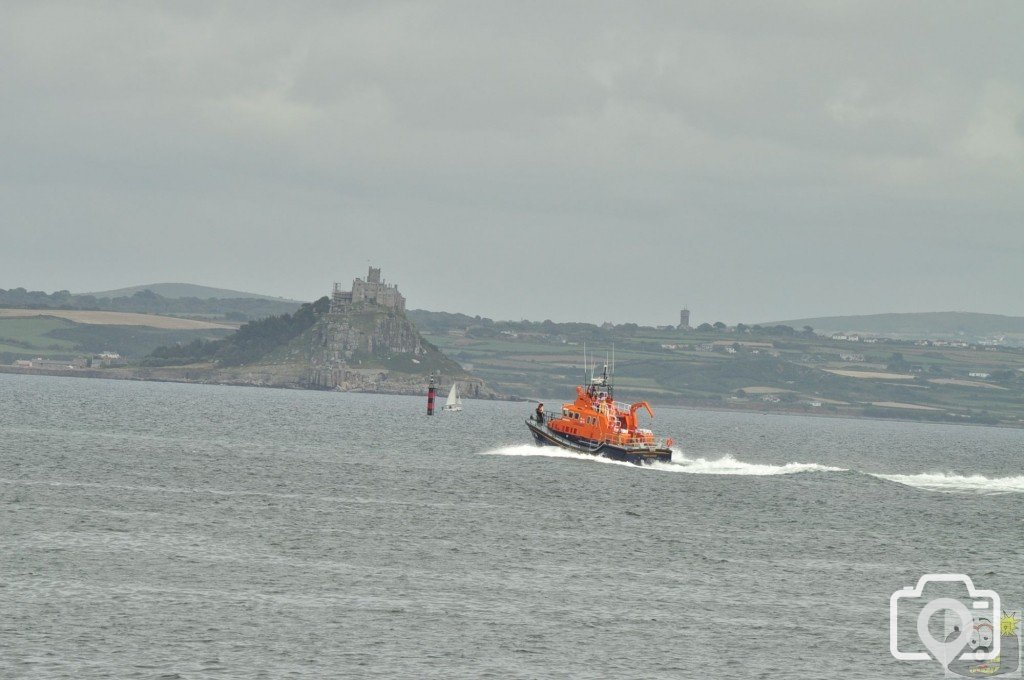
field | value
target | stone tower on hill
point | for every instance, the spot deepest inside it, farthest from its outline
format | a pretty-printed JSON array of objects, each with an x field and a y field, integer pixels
[
  {"x": 373, "y": 290},
  {"x": 365, "y": 342},
  {"x": 684, "y": 319}
]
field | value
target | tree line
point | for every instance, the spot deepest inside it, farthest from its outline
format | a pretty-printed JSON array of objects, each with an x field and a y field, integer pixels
[{"x": 147, "y": 302}]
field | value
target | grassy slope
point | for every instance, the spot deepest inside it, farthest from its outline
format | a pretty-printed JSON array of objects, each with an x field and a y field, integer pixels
[
  {"x": 230, "y": 310},
  {"x": 538, "y": 365},
  {"x": 45, "y": 336},
  {"x": 25, "y": 337},
  {"x": 104, "y": 318}
]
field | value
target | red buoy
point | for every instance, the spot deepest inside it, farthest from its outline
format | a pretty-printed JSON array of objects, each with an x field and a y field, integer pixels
[{"x": 431, "y": 391}]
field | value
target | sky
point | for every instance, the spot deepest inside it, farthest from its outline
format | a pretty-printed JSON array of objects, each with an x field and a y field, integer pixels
[{"x": 573, "y": 161}]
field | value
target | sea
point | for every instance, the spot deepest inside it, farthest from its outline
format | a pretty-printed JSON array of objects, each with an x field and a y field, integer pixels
[{"x": 158, "y": 530}]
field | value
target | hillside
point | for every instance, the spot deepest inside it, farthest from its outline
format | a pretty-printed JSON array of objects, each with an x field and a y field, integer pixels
[
  {"x": 758, "y": 368},
  {"x": 28, "y": 335},
  {"x": 364, "y": 346},
  {"x": 921, "y": 326},
  {"x": 174, "y": 291},
  {"x": 360, "y": 339},
  {"x": 365, "y": 340},
  {"x": 148, "y": 302},
  {"x": 100, "y": 318}
]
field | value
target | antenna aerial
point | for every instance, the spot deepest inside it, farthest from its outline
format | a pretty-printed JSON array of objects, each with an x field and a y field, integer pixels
[{"x": 585, "y": 381}]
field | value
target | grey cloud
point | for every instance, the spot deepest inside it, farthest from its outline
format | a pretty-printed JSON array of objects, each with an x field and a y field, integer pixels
[{"x": 754, "y": 161}]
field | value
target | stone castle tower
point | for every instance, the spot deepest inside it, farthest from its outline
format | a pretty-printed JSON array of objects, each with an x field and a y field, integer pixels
[
  {"x": 366, "y": 321},
  {"x": 684, "y": 319},
  {"x": 366, "y": 342},
  {"x": 374, "y": 290}
]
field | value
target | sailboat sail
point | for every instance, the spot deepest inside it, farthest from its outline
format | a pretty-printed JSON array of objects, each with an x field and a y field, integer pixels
[{"x": 454, "y": 402}]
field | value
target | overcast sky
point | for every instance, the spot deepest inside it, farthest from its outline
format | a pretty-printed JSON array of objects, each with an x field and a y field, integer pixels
[{"x": 571, "y": 161}]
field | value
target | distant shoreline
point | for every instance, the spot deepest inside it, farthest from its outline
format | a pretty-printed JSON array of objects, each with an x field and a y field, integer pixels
[
  {"x": 131, "y": 374},
  {"x": 843, "y": 416},
  {"x": 192, "y": 376}
]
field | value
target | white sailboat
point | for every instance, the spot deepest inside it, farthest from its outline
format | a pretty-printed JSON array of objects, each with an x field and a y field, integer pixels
[{"x": 454, "y": 402}]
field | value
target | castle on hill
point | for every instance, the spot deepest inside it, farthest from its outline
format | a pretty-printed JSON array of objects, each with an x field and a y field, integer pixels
[
  {"x": 366, "y": 343},
  {"x": 374, "y": 290}
]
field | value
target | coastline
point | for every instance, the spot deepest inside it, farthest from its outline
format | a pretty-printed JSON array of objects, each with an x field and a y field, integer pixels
[
  {"x": 844, "y": 416},
  {"x": 269, "y": 376}
]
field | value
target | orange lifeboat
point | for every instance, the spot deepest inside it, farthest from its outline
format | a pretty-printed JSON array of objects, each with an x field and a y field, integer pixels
[{"x": 596, "y": 424}]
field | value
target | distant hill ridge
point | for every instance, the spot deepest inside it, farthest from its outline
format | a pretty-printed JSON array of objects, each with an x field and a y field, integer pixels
[
  {"x": 918, "y": 324},
  {"x": 147, "y": 301},
  {"x": 176, "y": 291}
]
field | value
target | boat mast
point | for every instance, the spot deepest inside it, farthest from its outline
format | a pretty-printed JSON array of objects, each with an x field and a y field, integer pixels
[{"x": 610, "y": 389}]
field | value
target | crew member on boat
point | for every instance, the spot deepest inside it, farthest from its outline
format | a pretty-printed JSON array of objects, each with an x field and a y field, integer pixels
[{"x": 540, "y": 412}]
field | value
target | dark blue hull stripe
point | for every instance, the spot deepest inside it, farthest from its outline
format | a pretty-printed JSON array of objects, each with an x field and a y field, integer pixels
[{"x": 636, "y": 456}]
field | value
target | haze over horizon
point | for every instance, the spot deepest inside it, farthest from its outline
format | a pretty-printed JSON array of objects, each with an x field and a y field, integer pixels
[
  {"x": 158, "y": 288},
  {"x": 578, "y": 162}
]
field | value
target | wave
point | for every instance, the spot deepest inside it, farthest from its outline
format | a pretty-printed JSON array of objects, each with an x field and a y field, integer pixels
[
  {"x": 939, "y": 481},
  {"x": 551, "y": 452},
  {"x": 531, "y": 450},
  {"x": 728, "y": 465}
]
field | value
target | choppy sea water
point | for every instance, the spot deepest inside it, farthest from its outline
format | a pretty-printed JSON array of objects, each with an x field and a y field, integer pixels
[{"x": 157, "y": 530}]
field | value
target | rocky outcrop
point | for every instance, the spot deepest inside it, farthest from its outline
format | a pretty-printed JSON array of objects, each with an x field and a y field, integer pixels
[
  {"x": 339, "y": 337},
  {"x": 372, "y": 348}
]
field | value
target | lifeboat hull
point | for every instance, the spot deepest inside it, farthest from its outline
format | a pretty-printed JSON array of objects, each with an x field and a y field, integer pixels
[{"x": 637, "y": 456}]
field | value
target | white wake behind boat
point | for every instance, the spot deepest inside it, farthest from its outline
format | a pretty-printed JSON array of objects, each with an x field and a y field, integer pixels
[{"x": 454, "y": 402}]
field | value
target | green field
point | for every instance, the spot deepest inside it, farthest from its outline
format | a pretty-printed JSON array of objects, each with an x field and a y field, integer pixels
[
  {"x": 21, "y": 337},
  {"x": 50, "y": 337},
  {"x": 898, "y": 379}
]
